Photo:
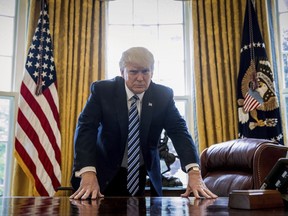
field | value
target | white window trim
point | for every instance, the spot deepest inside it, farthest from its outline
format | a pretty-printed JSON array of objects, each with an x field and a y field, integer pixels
[
  {"x": 20, "y": 45},
  {"x": 13, "y": 96},
  {"x": 19, "y": 54}
]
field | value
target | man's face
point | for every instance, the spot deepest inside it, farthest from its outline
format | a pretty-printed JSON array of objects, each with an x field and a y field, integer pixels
[{"x": 137, "y": 78}]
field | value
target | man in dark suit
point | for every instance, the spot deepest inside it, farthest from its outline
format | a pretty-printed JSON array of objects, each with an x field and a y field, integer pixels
[{"x": 100, "y": 159}]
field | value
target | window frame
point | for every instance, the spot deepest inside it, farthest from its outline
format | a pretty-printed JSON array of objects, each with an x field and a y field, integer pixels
[
  {"x": 18, "y": 63},
  {"x": 13, "y": 97},
  {"x": 279, "y": 68},
  {"x": 189, "y": 96}
]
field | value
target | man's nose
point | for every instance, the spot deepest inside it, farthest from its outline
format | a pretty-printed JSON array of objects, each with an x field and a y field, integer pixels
[{"x": 140, "y": 76}]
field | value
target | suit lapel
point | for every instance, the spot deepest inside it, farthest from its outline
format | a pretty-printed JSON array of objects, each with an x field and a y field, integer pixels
[
  {"x": 146, "y": 113},
  {"x": 121, "y": 108}
]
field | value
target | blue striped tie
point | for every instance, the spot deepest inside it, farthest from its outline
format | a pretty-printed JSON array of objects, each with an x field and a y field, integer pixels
[{"x": 133, "y": 148}]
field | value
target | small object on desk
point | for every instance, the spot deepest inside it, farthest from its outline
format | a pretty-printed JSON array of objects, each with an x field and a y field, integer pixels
[{"x": 255, "y": 199}]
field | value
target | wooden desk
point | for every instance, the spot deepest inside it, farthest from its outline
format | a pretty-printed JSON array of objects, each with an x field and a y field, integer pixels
[{"x": 125, "y": 206}]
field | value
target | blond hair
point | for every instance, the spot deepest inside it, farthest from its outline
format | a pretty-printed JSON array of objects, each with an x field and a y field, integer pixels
[{"x": 137, "y": 55}]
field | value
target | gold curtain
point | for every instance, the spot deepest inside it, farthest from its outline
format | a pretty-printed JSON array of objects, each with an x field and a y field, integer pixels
[
  {"x": 217, "y": 31},
  {"x": 77, "y": 30}
]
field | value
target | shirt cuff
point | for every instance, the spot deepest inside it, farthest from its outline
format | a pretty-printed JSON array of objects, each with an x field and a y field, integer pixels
[
  {"x": 85, "y": 169},
  {"x": 187, "y": 167}
]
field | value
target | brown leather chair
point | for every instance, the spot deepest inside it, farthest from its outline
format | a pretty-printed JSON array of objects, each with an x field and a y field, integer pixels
[{"x": 239, "y": 164}]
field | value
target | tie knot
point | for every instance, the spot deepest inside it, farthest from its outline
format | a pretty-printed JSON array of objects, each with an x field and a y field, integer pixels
[{"x": 134, "y": 98}]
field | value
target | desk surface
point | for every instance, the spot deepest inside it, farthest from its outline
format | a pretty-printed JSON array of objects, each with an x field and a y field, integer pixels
[{"x": 124, "y": 206}]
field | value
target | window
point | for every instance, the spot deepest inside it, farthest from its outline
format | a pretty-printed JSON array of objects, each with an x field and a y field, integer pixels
[
  {"x": 161, "y": 26},
  {"x": 282, "y": 8},
  {"x": 12, "y": 16},
  {"x": 7, "y": 20}
]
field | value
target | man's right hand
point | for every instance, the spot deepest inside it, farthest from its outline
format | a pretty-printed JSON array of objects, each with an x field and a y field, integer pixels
[{"x": 89, "y": 187}]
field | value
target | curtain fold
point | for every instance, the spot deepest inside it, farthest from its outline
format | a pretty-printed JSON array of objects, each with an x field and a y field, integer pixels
[
  {"x": 217, "y": 31},
  {"x": 77, "y": 30}
]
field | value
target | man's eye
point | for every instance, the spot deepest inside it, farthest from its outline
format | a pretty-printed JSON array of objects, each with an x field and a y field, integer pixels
[
  {"x": 133, "y": 71},
  {"x": 145, "y": 71}
]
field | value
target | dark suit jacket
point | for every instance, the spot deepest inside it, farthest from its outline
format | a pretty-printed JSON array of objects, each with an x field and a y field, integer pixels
[{"x": 102, "y": 130}]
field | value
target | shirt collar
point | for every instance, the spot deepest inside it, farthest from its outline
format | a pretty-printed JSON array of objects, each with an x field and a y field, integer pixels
[{"x": 130, "y": 93}]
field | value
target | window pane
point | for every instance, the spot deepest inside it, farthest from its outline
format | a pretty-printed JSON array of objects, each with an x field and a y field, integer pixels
[
  {"x": 170, "y": 12},
  {"x": 286, "y": 108},
  {"x": 120, "y": 12},
  {"x": 145, "y": 12},
  {"x": 285, "y": 68},
  {"x": 7, "y": 8},
  {"x": 6, "y": 114},
  {"x": 172, "y": 75},
  {"x": 283, "y": 5},
  {"x": 6, "y": 36},
  {"x": 146, "y": 36},
  {"x": 119, "y": 38},
  {"x": 6, "y": 73},
  {"x": 284, "y": 31},
  {"x": 171, "y": 42}
]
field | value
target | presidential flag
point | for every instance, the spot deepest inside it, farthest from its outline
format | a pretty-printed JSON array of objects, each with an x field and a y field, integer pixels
[
  {"x": 37, "y": 138},
  {"x": 258, "y": 107}
]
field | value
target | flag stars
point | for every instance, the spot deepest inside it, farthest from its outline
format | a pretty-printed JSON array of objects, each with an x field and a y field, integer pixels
[
  {"x": 30, "y": 55},
  {"x": 45, "y": 66},
  {"x": 29, "y": 64},
  {"x": 52, "y": 59},
  {"x": 38, "y": 57},
  {"x": 34, "y": 38},
  {"x": 46, "y": 57},
  {"x": 48, "y": 40},
  {"x": 51, "y": 76},
  {"x": 32, "y": 46},
  {"x": 52, "y": 68},
  {"x": 40, "y": 47},
  {"x": 37, "y": 65},
  {"x": 35, "y": 74},
  {"x": 47, "y": 49},
  {"x": 44, "y": 74}
]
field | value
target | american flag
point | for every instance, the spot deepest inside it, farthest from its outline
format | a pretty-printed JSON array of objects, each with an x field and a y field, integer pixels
[{"x": 38, "y": 139}]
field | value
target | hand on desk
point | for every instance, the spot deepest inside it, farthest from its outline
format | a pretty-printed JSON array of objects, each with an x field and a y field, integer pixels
[
  {"x": 89, "y": 187},
  {"x": 197, "y": 186}
]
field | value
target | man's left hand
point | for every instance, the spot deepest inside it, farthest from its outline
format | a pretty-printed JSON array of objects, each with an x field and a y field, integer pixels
[{"x": 197, "y": 186}]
